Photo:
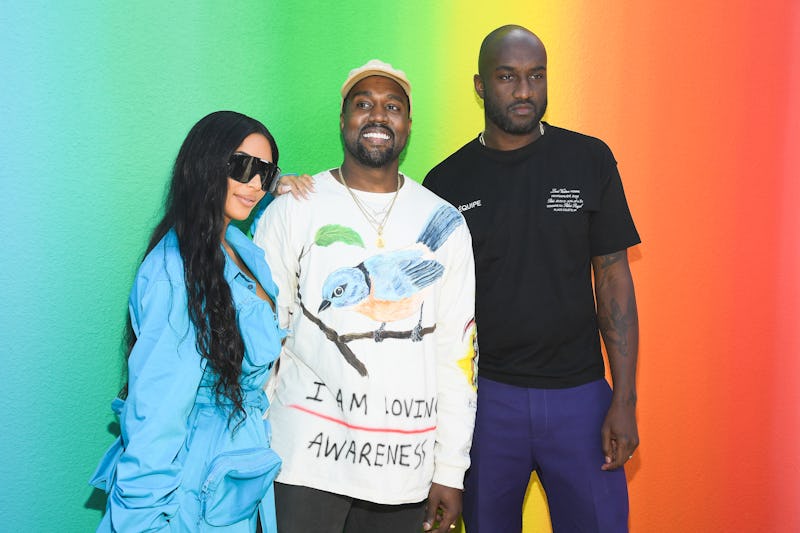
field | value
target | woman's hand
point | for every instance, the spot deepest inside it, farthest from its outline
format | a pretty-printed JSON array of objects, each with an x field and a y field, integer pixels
[{"x": 298, "y": 185}]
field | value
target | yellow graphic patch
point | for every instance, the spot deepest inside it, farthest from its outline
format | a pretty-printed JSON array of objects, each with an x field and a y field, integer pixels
[{"x": 469, "y": 363}]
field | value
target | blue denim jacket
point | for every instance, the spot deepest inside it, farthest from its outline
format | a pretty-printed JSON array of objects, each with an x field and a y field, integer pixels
[{"x": 177, "y": 465}]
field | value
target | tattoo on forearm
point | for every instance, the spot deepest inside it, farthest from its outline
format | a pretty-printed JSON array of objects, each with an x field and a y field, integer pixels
[
  {"x": 618, "y": 324},
  {"x": 615, "y": 323},
  {"x": 617, "y": 318},
  {"x": 608, "y": 260}
]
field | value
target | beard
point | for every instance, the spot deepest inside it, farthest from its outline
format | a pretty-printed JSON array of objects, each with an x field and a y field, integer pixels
[
  {"x": 501, "y": 117},
  {"x": 372, "y": 157}
]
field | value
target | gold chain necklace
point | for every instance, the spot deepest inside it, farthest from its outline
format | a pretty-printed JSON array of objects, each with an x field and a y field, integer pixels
[{"x": 373, "y": 221}]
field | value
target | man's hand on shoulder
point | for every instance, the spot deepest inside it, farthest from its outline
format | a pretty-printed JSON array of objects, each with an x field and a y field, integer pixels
[{"x": 299, "y": 185}]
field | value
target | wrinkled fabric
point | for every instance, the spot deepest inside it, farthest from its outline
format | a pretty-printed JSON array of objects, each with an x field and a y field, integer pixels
[
  {"x": 382, "y": 419},
  {"x": 178, "y": 464}
]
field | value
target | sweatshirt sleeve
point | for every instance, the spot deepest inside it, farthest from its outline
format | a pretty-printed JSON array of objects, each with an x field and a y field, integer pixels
[
  {"x": 273, "y": 234},
  {"x": 164, "y": 372},
  {"x": 456, "y": 362}
]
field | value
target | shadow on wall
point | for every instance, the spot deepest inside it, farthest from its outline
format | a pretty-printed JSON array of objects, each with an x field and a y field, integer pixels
[{"x": 96, "y": 500}]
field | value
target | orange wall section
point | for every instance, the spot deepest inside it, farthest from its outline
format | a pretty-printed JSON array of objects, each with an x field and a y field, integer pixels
[{"x": 699, "y": 103}]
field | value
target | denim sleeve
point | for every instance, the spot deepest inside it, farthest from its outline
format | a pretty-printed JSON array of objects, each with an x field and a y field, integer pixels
[{"x": 164, "y": 371}]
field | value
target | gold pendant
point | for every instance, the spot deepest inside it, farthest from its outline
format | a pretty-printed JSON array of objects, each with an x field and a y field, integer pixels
[{"x": 379, "y": 243}]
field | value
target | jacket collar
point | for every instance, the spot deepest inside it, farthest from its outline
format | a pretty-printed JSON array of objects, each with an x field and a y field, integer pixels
[{"x": 253, "y": 257}]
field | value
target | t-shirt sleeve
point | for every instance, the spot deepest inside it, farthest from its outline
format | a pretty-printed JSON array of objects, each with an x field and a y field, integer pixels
[
  {"x": 611, "y": 226},
  {"x": 431, "y": 181}
]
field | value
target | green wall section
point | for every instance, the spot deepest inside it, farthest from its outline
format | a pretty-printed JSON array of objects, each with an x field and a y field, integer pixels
[
  {"x": 95, "y": 99},
  {"x": 310, "y": 57}
]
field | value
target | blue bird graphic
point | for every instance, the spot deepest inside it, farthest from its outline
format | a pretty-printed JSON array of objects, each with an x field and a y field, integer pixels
[{"x": 388, "y": 286}]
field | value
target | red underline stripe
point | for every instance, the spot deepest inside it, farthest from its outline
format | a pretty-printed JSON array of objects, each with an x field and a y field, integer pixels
[{"x": 361, "y": 428}]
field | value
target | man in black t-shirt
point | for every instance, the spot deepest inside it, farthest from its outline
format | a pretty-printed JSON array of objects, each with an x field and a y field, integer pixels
[{"x": 547, "y": 211}]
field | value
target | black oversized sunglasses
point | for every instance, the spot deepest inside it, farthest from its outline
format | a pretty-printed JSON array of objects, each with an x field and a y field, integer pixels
[{"x": 242, "y": 168}]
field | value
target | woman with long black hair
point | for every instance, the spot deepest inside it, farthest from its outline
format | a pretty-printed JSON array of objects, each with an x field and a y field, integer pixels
[{"x": 194, "y": 454}]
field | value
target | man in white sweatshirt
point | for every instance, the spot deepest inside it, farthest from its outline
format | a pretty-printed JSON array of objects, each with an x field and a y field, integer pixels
[{"x": 374, "y": 400}]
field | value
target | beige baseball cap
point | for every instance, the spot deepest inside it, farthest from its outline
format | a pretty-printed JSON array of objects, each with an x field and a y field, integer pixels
[{"x": 376, "y": 67}]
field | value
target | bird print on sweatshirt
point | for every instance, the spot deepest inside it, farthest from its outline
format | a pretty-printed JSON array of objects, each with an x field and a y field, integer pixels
[{"x": 389, "y": 286}]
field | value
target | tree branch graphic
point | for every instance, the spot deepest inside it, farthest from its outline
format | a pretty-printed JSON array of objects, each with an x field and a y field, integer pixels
[{"x": 341, "y": 340}]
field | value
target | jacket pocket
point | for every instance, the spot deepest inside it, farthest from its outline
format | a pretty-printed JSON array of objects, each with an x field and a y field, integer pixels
[
  {"x": 236, "y": 483},
  {"x": 104, "y": 474}
]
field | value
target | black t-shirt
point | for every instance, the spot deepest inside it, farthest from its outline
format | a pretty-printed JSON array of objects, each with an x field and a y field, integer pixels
[{"x": 537, "y": 216}]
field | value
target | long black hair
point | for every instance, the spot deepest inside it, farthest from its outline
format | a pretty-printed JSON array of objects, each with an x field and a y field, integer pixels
[{"x": 195, "y": 209}]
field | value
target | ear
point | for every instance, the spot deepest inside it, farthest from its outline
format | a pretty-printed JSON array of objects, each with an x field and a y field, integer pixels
[{"x": 479, "y": 88}]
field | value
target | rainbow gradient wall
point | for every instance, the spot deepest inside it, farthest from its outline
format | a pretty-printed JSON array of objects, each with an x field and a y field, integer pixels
[{"x": 698, "y": 99}]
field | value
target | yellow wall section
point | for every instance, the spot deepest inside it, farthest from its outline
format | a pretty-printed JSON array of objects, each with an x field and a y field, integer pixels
[{"x": 462, "y": 110}]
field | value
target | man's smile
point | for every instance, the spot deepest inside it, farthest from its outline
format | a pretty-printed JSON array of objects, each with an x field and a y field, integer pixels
[{"x": 376, "y": 134}]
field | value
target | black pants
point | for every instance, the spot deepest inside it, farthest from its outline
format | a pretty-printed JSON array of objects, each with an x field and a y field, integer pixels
[{"x": 305, "y": 510}]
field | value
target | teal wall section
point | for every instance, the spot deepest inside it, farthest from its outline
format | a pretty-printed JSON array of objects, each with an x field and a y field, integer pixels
[{"x": 95, "y": 99}]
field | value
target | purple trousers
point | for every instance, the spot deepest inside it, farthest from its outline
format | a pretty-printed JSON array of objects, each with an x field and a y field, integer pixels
[{"x": 555, "y": 432}]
